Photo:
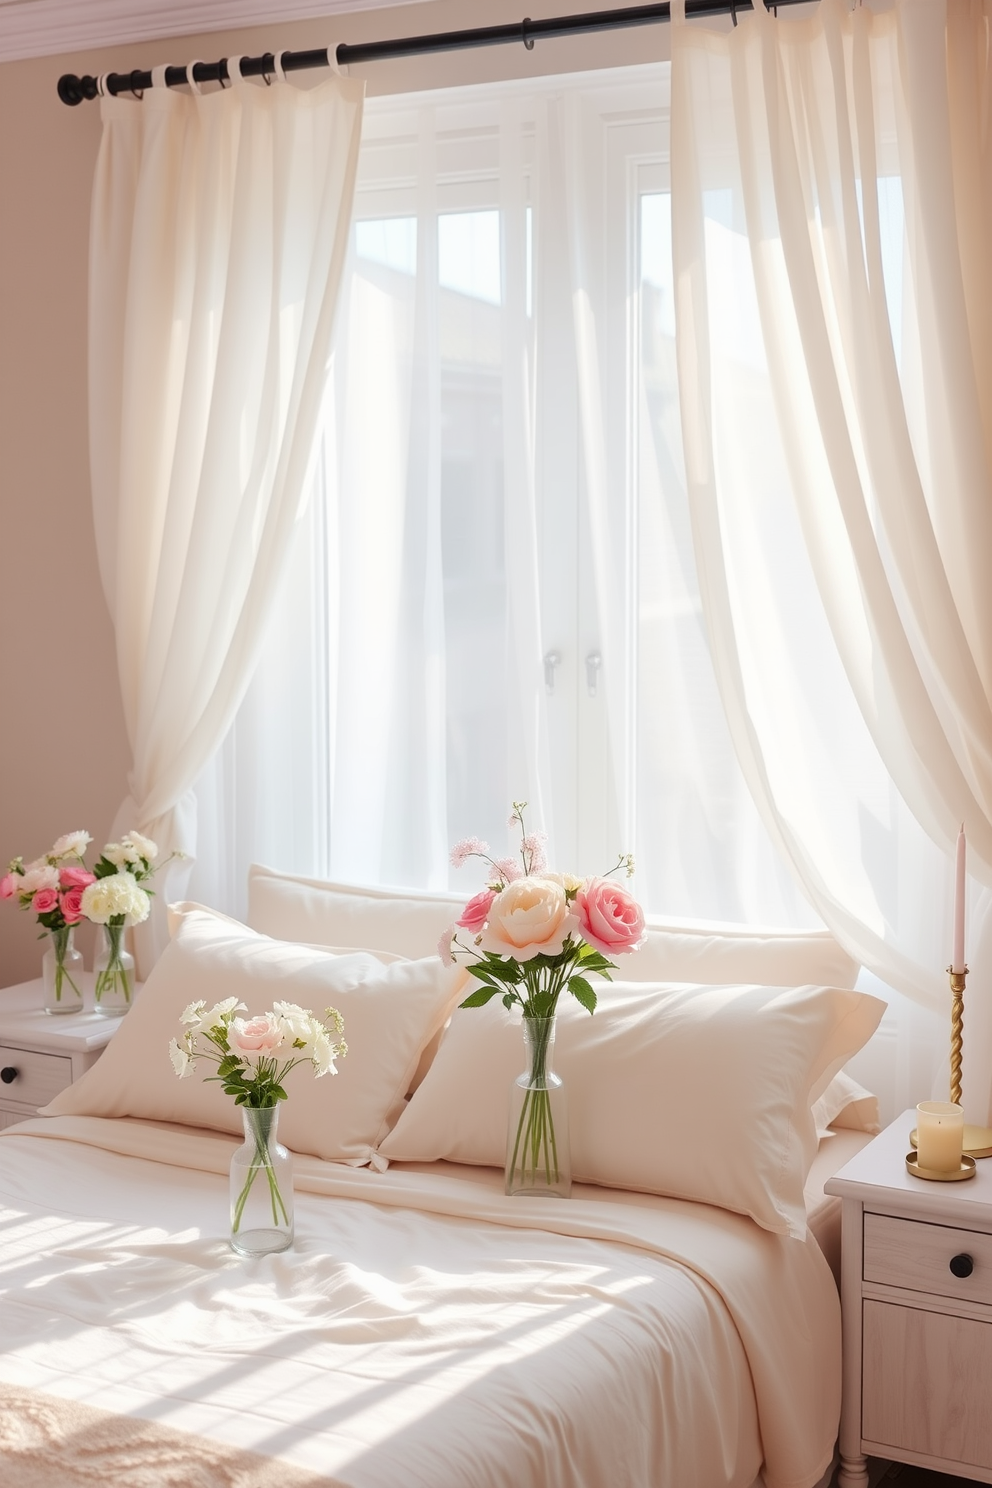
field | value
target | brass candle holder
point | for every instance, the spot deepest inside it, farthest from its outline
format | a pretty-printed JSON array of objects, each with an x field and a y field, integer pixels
[{"x": 977, "y": 1139}]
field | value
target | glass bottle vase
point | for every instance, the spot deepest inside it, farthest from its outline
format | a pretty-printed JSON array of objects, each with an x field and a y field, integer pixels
[
  {"x": 261, "y": 1187},
  {"x": 538, "y": 1160},
  {"x": 113, "y": 974},
  {"x": 61, "y": 971}
]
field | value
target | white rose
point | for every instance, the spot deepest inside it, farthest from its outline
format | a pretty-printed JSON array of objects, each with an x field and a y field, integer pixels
[
  {"x": 72, "y": 845},
  {"x": 115, "y": 853},
  {"x": 43, "y": 876},
  {"x": 530, "y": 917},
  {"x": 138, "y": 848}
]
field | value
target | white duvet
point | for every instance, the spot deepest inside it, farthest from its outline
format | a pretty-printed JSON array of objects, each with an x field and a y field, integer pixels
[{"x": 424, "y": 1331}]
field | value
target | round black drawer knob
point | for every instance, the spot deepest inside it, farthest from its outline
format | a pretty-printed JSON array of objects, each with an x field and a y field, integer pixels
[
  {"x": 962, "y": 1265},
  {"x": 9, "y": 1074}
]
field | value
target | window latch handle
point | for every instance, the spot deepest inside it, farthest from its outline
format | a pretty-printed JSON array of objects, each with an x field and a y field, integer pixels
[
  {"x": 593, "y": 663},
  {"x": 552, "y": 659}
]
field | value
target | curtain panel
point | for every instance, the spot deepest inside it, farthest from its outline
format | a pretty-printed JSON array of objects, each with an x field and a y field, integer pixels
[
  {"x": 218, "y": 237},
  {"x": 831, "y": 208}
]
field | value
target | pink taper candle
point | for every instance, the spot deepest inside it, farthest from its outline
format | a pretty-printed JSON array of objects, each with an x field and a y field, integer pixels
[{"x": 957, "y": 960}]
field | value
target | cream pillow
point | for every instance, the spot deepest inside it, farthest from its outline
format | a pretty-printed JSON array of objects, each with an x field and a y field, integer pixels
[
  {"x": 847, "y": 1105},
  {"x": 696, "y": 1092},
  {"x": 390, "y": 1014},
  {"x": 410, "y": 922}
]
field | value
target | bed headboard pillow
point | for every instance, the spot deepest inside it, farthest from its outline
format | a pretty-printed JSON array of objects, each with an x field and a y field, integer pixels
[
  {"x": 699, "y": 1093},
  {"x": 409, "y": 922},
  {"x": 391, "y": 1013},
  {"x": 847, "y": 1105}
]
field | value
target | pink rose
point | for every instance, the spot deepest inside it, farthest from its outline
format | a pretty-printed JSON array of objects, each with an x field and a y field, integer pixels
[
  {"x": 476, "y": 911},
  {"x": 610, "y": 919},
  {"x": 71, "y": 904},
  {"x": 10, "y": 885},
  {"x": 44, "y": 901},
  {"x": 75, "y": 878},
  {"x": 253, "y": 1038},
  {"x": 526, "y": 919}
]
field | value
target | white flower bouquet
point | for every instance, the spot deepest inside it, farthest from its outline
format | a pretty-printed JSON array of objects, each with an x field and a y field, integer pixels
[{"x": 253, "y": 1057}]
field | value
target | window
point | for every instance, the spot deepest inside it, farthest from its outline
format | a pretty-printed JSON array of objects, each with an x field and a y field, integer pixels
[{"x": 494, "y": 597}]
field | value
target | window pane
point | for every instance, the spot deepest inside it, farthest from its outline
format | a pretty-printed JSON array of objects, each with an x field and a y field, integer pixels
[
  {"x": 390, "y": 241},
  {"x": 468, "y": 254}
]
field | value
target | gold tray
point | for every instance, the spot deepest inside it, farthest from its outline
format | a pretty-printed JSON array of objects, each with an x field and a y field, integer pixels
[
  {"x": 968, "y": 1169},
  {"x": 977, "y": 1140}
]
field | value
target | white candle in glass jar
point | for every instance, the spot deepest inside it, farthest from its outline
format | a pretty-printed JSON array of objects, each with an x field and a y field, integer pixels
[{"x": 939, "y": 1136}]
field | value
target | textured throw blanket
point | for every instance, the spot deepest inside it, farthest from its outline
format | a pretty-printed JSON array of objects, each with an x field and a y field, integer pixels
[{"x": 46, "y": 1442}]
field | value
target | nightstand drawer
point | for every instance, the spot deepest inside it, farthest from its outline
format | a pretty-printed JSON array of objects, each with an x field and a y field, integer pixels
[
  {"x": 39, "y": 1077},
  {"x": 918, "y": 1256}
]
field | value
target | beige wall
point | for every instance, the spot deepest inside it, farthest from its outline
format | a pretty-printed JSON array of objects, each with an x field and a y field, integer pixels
[{"x": 64, "y": 753}]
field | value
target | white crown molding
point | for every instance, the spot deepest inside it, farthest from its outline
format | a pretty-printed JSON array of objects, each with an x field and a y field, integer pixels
[{"x": 44, "y": 28}]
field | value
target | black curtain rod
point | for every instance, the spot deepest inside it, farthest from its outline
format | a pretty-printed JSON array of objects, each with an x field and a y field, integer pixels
[{"x": 73, "y": 89}]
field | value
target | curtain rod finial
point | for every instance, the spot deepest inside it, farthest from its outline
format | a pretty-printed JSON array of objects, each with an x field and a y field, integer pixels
[{"x": 73, "y": 89}]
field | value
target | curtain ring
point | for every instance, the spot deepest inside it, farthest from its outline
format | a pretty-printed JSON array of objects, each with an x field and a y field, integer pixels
[
  {"x": 733, "y": 11},
  {"x": 139, "y": 93},
  {"x": 265, "y": 70},
  {"x": 278, "y": 68},
  {"x": 195, "y": 87},
  {"x": 528, "y": 41},
  {"x": 332, "y": 60},
  {"x": 101, "y": 85},
  {"x": 158, "y": 77},
  {"x": 234, "y": 69},
  {"x": 225, "y": 82}
]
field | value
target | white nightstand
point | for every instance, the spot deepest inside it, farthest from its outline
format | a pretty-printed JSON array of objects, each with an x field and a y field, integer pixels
[
  {"x": 45, "y": 1053},
  {"x": 916, "y": 1290}
]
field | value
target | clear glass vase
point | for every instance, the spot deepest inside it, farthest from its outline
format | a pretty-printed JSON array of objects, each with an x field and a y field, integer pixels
[
  {"x": 113, "y": 968},
  {"x": 538, "y": 1160},
  {"x": 61, "y": 971},
  {"x": 261, "y": 1187}
]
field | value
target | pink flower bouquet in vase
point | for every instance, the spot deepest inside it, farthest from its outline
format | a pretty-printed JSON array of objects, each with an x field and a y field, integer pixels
[
  {"x": 52, "y": 888},
  {"x": 529, "y": 936}
]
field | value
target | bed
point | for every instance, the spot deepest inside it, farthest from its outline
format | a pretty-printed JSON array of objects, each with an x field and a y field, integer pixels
[{"x": 424, "y": 1329}]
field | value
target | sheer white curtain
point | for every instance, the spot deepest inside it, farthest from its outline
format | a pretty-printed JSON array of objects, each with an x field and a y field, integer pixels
[
  {"x": 504, "y": 503},
  {"x": 219, "y": 233},
  {"x": 831, "y": 209}
]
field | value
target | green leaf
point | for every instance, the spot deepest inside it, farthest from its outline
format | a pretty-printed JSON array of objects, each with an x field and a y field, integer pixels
[
  {"x": 482, "y": 974},
  {"x": 582, "y": 992},
  {"x": 480, "y": 997}
]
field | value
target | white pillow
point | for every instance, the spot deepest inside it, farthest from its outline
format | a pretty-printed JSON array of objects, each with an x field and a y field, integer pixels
[
  {"x": 847, "y": 1105},
  {"x": 410, "y": 922},
  {"x": 390, "y": 1014},
  {"x": 696, "y": 1092},
  {"x": 404, "y": 921}
]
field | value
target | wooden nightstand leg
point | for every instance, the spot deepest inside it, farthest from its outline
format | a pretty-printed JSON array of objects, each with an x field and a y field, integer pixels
[
  {"x": 853, "y": 1463},
  {"x": 853, "y": 1472}
]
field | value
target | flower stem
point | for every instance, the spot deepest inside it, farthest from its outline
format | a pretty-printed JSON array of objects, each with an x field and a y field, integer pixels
[{"x": 261, "y": 1161}]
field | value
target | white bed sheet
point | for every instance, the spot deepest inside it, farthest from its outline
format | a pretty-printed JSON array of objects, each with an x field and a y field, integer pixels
[{"x": 424, "y": 1330}]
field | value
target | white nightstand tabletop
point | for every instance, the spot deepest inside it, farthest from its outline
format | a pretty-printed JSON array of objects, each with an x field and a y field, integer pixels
[
  {"x": 878, "y": 1176},
  {"x": 23, "y": 1021}
]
